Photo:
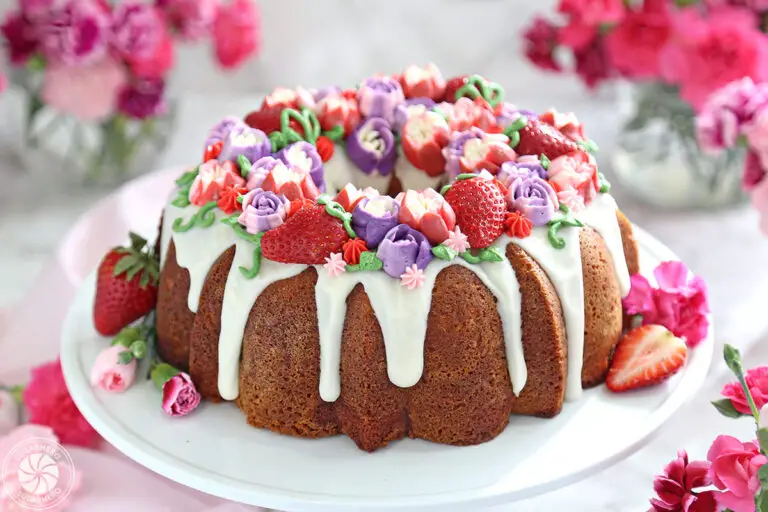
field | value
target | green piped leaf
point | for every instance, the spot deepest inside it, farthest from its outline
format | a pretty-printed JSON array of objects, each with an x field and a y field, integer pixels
[
  {"x": 605, "y": 185},
  {"x": 204, "y": 217},
  {"x": 514, "y": 139},
  {"x": 336, "y": 133},
  {"x": 545, "y": 161},
  {"x": 253, "y": 271},
  {"x": 555, "y": 225},
  {"x": 588, "y": 145},
  {"x": 490, "y": 254},
  {"x": 245, "y": 165},
  {"x": 470, "y": 258},
  {"x": 187, "y": 178},
  {"x": 564, "y": 208},
  {"x": 444, "y": 253},
  {"x": 231, "y": 220},
  {"x": 368, "y": 261},
  {"x": 445, "y": 189},
  {"x": 465, "y": 176},
  {"x": 762, "y": 439}
]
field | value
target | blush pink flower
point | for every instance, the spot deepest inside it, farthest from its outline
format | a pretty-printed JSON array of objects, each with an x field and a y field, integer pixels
[
  {"x": 236, "y": 33},
  {"x": 428, "y": 212},
  {"x": 413, "y": 277},
  {"x": 180, "y": 397},
  {"x": 734, "y": 471},
  {"x": 335, "y": 264},
  {"x": 85, "y": 92},
  {"x": 634, "y": 45},
  {"x": 457, "y": 241},
  {"x": 211, "y": 180},
  {"x": 108, "y": 374},
  {"x": 757, "y": 382},
  {"x": 675, "y": 487},
  {"x": 577, "y": 172},
  {"x": 49, "y": 404},
  {"x": 679, "y": 302}
]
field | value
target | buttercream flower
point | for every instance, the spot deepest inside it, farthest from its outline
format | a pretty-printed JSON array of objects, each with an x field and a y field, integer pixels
[
  {"x": 467, "y": 113},
  {"x": 260, "y": 169},
  {"x": 290, "y": 182},
  {"x": 457, "y": 241},
  {"x": 378, "y": 96},
  {"x": 426, "y": 82},
  {"x": 679, "y": 303},
  {"x": 236, "y": 33},
  {"x": 350, "y": 196},
  {"x": 87, "y": 92},
  {"x": 262, "y": 210},
  {"x": 180, "y": 397},
  {"x": 474, "y": 150},
  {"x": 136, "y": 29},
  {"x": 229, "y": 199},
  {"x": 108, "y": 374},
  {"x": 143, "y": 99},
  {"x": 757, "y": 382},
  {"x": 75, "y": 34},
  {"x": 353, "y": 249},
  {"x": 20, "y": 37},
  {"x": 335, "y": 264},
  {"x": 304, "y": 157},
  {"x": 212, "y": 178},
  {"x": 534, "y": 198},
  {"x": 402, "y": 247},
  {"x": 427, "y": 211},
  {"x": 507, "y": 113},
  {"x": 516, "y": 225},
  {"x": 734, "y": 471},
  {"x": 9, "y": 413},
  {"x": 290, "y": 98},
  {"x": 524, "y": 166},
  {"x": 566, "y": 123},
  {"x": 219, "y": 131},
  {"x": 338, "y": 110},
  {"x": 241, "y": 139},
  {"x": 577, "y": 172},
  {"x": 675, "y": 487},
  {"x": 410, "y": 108},
  {"x": 374, "y": 217},
  {"x": 371, "y": 146},
  {"x": 49, "y": 403},
  {"x": 191, "y": 18},
  {"x": 423, "y": 138},
  {"x": 413, "y": 277}
]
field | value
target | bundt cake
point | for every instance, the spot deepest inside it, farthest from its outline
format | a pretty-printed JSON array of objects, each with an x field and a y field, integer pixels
[{"x": 414, "y": 257}]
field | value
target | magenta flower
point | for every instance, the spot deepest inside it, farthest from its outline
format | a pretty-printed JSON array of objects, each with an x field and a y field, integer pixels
[
  {"x": 180, "y": 397},
  {"x": 236, "y": 33},
  {"x": 20, "y": 38},
  {"x": 191, "y": 18},
  {"x": 136, "y": 29},
  {"x": 143, "y": 99},
  {"x": 634, "y": 45},
  {"x": 757, "y": 382},
  {"x": 541, "y": 39},
  {"x": 734, "y": 471},
  {"x": 675, "y": 487},
  {"x": 75, "y": 34}
]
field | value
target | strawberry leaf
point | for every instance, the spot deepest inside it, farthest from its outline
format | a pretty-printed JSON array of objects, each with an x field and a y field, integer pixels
[{"x": 124, "y": 264}]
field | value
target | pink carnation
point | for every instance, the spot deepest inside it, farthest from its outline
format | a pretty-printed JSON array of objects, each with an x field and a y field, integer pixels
[
  {"x": 75, "y": 34},
  {"x": 541, "y": 39},
  {"x": 236, "y": 33},
  {"x": 49, "y": 404},
  {"x": 634, "y": 45},
  {"x": 586, "y": 17},
  {"x": 675, "y": 487},
  {"x": 592, "y": 63},
  {"x": 757, "y": 382},
  {"x": 88, "y": 93},
  {"x": 158, "y": 62},
  {"x": 192, "y": 18},
  {"x": 679, "y": 302},
  {"x": 734, "y": 471}
]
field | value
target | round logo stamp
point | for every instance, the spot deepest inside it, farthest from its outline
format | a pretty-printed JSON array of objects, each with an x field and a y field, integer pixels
[{"x": 38, "y": 474}]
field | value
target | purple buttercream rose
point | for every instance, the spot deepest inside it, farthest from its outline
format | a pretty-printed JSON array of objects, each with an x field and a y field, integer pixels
[
  {"x": 252, "y": 143},
  {"x": 533, "y": 197},
  {"x": 136, "y": 29},
  {"x": 304, "y": 157},
  {"x": 373, "y": 217},
  {"x": 371, "y": 146},
  {"x": 378, "y": 96},
  {"x": 219, "y": 131},
  {"x": 74, "y": 34},
  {"x": 509, "y": 113},
  {"x": 524, "y": 166},
  {"x": 454, "y": 151},
  {"x": 321, "y": 93},
  {"x": 402, "y": 247},
  {"x": 410, "y": 108},
  {"x": 143, "y": 99},
  {"x": 259, "y": 171},
  {"x": 262, "y": 211}
]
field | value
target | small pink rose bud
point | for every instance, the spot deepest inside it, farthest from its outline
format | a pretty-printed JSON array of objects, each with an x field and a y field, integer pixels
[
  {"x": 180, "y": 397},
  {"x": 108, "y": 374}
]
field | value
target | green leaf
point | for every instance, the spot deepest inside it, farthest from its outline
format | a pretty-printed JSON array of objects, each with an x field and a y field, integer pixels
[
  {"x": 444, "y": 253},
  {"x": 244, "y": 164},
  {"x": 125, "y": 357},
  {"x": 137, "y": 242},
  {"x": 726, "y": 408},
  {"x": 761, "y": 500},
  {"x": 733, "y": 360},
  {"x": 231, "y": 220},
  {"x": 465, "y": 176},
  {"x": 124, "y": 264},
  {"x": 564, "y": 208},
  {"x": 138, "y": 348},
  {"x": 605, "y": 185},
  {"x": 588, "y": 145},
  {"x": 445, "y": 189},
  {"x": 162, "y": 373},
  {"x": 187, "y": 178},
  {"x": 17, "y": 392},
  {"x": 762, "y": 439},
  {"x": 182, "y": 201},
  {"x": 762, "y": 474},
  {"x": 514, "y": 139},
  {"x": 368, "y": 261},
  {"x": 469, "y": 257},
  {"x": 545, "y": 161},
  {"x": 491, "y": 254}
]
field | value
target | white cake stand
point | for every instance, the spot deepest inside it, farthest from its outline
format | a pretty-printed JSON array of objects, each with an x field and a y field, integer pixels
[{"x": 216, "y": 452}]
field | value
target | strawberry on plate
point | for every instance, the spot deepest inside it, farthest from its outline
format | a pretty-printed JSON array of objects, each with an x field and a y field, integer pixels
[
  {"x": 480, "y": 209},
  {"x": 308, "y": 236},
  {"x": 126, "y": 286},
  {"x": 645, "y": 356},
  {"x": 538, "y": 138}
]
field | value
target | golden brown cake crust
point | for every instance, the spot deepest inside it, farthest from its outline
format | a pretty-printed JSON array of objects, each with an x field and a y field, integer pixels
[{"x": 174, "y": 319}]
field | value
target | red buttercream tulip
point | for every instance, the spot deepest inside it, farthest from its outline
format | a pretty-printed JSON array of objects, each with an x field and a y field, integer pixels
[
  {"x": 423, "y": 139},
  {"x": 428, "y": 212}
]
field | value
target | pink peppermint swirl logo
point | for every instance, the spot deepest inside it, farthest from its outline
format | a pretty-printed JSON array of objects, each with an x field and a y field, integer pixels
[{"x": 38, "y": 474}]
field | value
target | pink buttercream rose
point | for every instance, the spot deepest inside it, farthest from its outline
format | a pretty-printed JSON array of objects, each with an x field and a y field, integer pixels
[
  {"x": 757, "y": 382},
  {"x": 734, "y": 471},
  {"x": 236, "y": 33},
  {"x": 675, "y": 488},
  {"x": 108, "y": 374},
  {"x": 180, "y": 397},
  {"x": 85, "y": 92},
  {"x": 633, "y": 46},
  {"x": 574, "y": 178},
  {"x": 212, "y": 178},
  {"x": 759, "y": 198}
]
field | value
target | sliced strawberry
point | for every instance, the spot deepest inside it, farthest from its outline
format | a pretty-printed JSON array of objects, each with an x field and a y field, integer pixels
[
  {"x": 480, "y": 209},
  {"x": 308, "y": 237},
  {"x": 645, "y": 356},
  {"x": 537, "y": 138}
]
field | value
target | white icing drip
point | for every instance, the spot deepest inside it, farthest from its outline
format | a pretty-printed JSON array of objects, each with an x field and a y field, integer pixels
[
  {"x": 600, "y": 215},
  {"x": 240, "y": 293},
  {"x": 563, "y": 267},
  {"x": 402, "y": 315},
  {"x": 338, "y": 171},
  {"x": 169, "y": 216},
  {"x": 412, "y": 178}
]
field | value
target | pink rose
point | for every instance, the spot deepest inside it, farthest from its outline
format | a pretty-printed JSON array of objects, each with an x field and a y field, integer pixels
[
  {"x": 236, "y": 33},
  {"x": 734, "y": 471},
  {"x": 212, "y": 178},
  {"x": 88, "y": 93},
  {"x": 675, "y": 487},
  {"x": 180, "y": 397},
  {"x": 428, "y": 212},
  {"x": 9, "y": 413},
  {"x": 575, "y": 172},
  {"x": 108, "y": 374},
  {"x": 633, "y": 46},
  {"x": 706, "y": 53},
  {"x": 757, "y": 382}
]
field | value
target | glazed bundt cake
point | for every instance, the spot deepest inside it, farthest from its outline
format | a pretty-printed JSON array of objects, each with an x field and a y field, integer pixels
[{"x": 413, "y": 257}]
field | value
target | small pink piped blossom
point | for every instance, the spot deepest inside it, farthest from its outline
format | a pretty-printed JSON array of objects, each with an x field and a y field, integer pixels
[
  {"x": 675, "y": 487},
  {"x": 212, "y": 178},
  {"x": 413, "y": 277},
  {"x": 457, "y": 241},
  {"x": 757, "y": 382},
  {"x": 9, "y": 412},
  {"x": 108, "y": 374},
  {"x": 734, "y": 467},
  {"x": 180, "y": 397},
  {"x": 335, "y": 264}
]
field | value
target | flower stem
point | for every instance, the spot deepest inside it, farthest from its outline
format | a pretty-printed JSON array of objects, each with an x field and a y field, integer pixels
[{"x": 733, "y": 360}]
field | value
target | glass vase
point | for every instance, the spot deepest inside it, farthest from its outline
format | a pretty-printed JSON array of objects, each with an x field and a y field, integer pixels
[
  {"x": 72, "y": 151},
  {"x": 658, "y": 161}
]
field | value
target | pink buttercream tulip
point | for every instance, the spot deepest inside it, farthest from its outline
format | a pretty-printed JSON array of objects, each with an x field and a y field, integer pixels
[
  {"x": 180, "y": 397},
  {"x": 212, "y": 178},
  {"x": 575, "y": 172},
  {"x": 734, "y": 471},
  {"x": 108, "y": 374},
  {"x": 290, "y": 182},
  {"x": 87, "y": 92},
  {"x": 428, "y": 212},
  {"x": 9, "y": 413}
]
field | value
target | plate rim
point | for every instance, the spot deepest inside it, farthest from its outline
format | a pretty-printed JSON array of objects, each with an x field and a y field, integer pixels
[{"x": 163, "y": 464}]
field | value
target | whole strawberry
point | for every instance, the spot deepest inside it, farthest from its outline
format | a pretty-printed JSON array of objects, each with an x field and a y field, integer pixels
[
  {"x": 126, "y": 286},
  {"x": 480, "y": 209},
  {"x": 308, "y": 237},
  {"x": 452, "y": 86},
  {"x": 537, "y": 138},
  {"x": 267, "y": 119}
]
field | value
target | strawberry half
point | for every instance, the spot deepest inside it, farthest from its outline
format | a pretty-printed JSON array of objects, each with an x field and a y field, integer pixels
[
  {"x": 537, "y": 138},
  {"x": 308, "y": 237},
  {"x": 126, "y": 286},
  {"x": 480, "y": 209},
  {"x": 645, "y": 356}
]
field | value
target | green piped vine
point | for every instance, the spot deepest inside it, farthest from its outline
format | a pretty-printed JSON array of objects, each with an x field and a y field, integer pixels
[
  {"x": 566, "y": 219},
  {"x": 184, "y": 183},
  {"x": 335, "y": 134},
  {"x": 513, "y": 131},
  {"x": 334, "y": 209},
  {"x": 287, "y": 135},
  {"x": 203, "y": 218},
  {"x": 478, "y": 87}
]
